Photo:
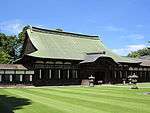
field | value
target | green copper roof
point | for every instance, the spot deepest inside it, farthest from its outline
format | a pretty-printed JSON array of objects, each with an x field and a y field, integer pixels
[{"x": 64, "y": 45}]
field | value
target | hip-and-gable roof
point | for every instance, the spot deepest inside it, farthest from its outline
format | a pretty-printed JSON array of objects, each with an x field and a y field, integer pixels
[{"x": 57, "y": 44}]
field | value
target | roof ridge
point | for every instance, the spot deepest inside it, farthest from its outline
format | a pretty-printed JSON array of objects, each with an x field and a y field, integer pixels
[{"x": 43, "y": 30}]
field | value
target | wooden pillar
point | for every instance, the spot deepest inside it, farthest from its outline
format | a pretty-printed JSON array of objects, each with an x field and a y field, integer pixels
[
  {"x": 120, "y": 74},
  {"x": 149, "y": 76},
  {"x": 126, "y": 74},
  {"x": 141, "y": 74},
  {"x": 21, "y": 76},
  {"x": 76, "y": 74},
  {"x": 145, "y": 76},
  {"x": 131, "y": 73},
  {"x": 50, "y": 74},
  {"x": 68, "y": 74},
  {"x": 40, "y": 74},
  {"x": 115, "y": 74},
  {"x": 107, "y": 77},
  {"x": 137, "y": 73},
  {"x": 59, "y": 73}
]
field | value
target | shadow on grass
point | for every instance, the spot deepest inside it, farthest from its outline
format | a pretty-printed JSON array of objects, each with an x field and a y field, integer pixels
[{"x": 10, "y": 103}]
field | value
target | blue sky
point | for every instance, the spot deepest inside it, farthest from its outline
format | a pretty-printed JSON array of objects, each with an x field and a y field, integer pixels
[{"x": 123, "y": 25}]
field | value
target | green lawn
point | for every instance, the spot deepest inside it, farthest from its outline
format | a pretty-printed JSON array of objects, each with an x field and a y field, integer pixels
[{"x": 99, "y": 99}]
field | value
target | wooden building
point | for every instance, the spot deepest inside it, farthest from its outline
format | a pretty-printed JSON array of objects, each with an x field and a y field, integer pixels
[
  {"x": 64, "y": 58},
  {"x": 11, "y": 74}
]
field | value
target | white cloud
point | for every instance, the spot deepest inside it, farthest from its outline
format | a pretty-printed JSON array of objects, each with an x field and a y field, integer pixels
[
  {"x": 129, "y": 48},
  {"x": 133, "y": 36},
  {"x": 139, "y": 26},
  {"x": 11, "y": 27},
  {"x": 113, "y": 28}
]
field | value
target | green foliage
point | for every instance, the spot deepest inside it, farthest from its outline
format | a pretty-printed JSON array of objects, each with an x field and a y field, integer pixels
[
  {"x": 8, "y": 46},
  {"x": 21, "y": 37},
  {"x": 4, "y": 57},
  {"x": 139, "y": 53},
  {"x": 11, "y": 46}
]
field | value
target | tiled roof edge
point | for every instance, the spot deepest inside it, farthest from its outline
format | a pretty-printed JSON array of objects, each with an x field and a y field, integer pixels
[{"x": 43, "y": 30}]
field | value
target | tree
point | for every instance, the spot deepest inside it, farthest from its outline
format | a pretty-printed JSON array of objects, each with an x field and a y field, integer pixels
[
  {"x": 21, "y": 37},
  {"x": 149, "y": 44},
  {"x": 11, "y": 46},
  {"x": 8, "y": 45},
  {"x": 139, "y": 53},
  {"x": 4, "y": 57}
]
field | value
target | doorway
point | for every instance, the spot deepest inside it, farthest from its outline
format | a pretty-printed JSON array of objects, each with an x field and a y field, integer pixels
[{"x": 99, "y": 76}]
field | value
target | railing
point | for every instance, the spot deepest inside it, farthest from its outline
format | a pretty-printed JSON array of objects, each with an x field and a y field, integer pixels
[{"x": 55, "y": 66}]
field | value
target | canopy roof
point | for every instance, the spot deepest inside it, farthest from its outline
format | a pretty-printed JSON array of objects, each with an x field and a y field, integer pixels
[
  {"x": 145, "y": 60},
  {"x": 12, "y": 67},
  {"x": 56, "y": 44},
  {"x": 93, "y": 57},
  {"x": 146, "y": 57}
]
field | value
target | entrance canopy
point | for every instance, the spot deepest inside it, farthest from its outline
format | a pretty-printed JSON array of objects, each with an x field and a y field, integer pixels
[{"x": 93, "y": 57}]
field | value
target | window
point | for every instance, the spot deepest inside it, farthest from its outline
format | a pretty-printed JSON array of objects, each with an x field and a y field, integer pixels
[
  {"x": 21, "y": 78},
  {"x": 30, "y": 78},
  {"x": 0, "y": 78},
  {"x": 74, "y": 74},
  {"x": 50, "y": 74},
  {"x": 40, "y": 74},
  {"x": 10, "y": 78}
]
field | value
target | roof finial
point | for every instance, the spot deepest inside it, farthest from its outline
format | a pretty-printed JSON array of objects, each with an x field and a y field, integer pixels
[{"x": 59, "y": 29}]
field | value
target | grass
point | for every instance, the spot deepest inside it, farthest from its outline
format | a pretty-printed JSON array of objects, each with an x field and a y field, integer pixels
[{"x": 99, "y": 99}]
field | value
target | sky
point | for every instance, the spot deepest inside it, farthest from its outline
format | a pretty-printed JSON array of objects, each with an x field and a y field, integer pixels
[{"x": 122, "y": 25}]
